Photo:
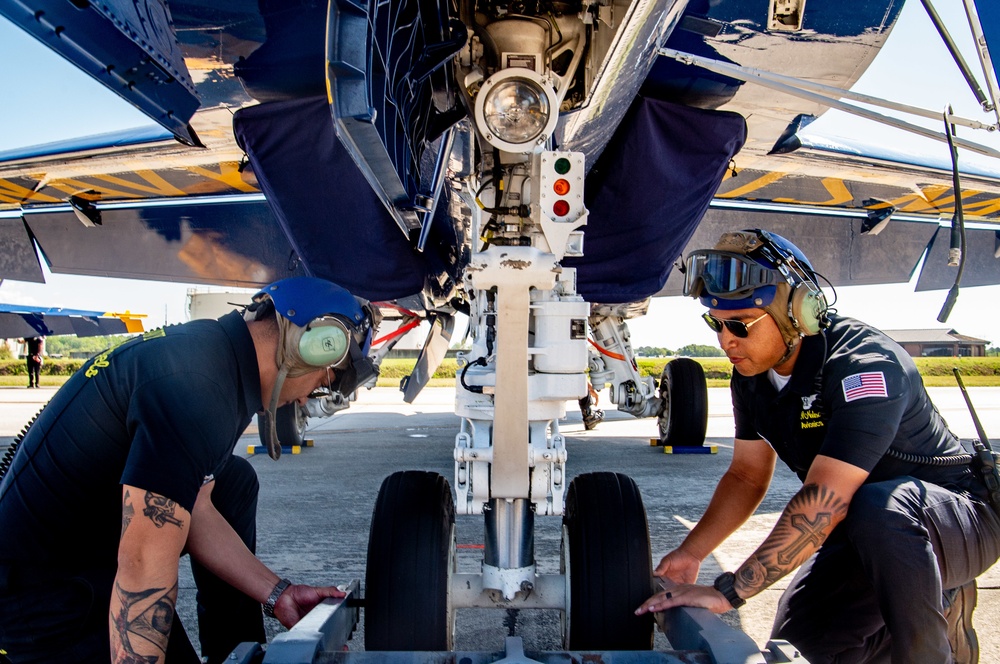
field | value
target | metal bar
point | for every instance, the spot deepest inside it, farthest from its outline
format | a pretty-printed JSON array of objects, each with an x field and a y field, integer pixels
[
  {"x": 983, "y": 53},
  {"x": 750, "y": 74},
  {"x": 837, "y": 93},
  {"x": 955, "y": 53},
  {"x": 689, "y": 628},
  {"x": 440, "y": 166},
  {"x": 327, "y": 627}
]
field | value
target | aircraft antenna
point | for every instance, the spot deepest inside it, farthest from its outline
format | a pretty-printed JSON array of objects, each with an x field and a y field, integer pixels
[{"x": 957, "y": 250}]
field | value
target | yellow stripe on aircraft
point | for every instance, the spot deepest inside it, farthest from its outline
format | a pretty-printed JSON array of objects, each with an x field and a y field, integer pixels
[
  {"x": 87, "y": 190},
  {"x": 753, "y": 185},
  {"x": 132, "y": 323},
  {"x": 15, "y": 194},
  {"x": 229, "y": 174},
  {"x": 839, "y": 194},
  {"x": 158, "y": 185}
]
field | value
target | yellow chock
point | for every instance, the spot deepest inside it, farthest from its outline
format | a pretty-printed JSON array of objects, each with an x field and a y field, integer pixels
[{"x": 694, "y": 449}]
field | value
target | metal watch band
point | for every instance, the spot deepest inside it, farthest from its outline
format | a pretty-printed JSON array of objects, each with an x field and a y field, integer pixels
[
  {"x": 272, "y": 599},
  {"x": 725, "y": 583}
]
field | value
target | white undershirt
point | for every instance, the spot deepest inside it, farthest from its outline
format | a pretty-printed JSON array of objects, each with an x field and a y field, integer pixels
[{"x": 777, "y": 379}]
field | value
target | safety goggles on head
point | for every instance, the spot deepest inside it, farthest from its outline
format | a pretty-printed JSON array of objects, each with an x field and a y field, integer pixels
[
  {"x": 737, "y": 327},
  {"x": 724, "y": 274}
]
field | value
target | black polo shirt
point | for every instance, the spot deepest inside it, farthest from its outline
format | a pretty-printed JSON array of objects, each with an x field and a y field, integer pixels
[
  {"x": 162, "y": 412},
  {"x": 853, "y": 394}
]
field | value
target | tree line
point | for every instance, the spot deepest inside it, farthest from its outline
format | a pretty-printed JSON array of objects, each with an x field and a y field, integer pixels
[{"x": 691, "y": 350}]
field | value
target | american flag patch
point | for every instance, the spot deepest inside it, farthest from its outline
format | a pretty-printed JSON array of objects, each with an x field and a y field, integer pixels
[{"x": 863, "y": 385}]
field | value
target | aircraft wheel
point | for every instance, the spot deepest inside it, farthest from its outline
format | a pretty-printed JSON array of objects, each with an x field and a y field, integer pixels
[
  {"x": 411, "y": 558},
  {"x": 608, "y": 564},
  {"x": 684, "y": 391},
  {"x": 289, "y": 423}
]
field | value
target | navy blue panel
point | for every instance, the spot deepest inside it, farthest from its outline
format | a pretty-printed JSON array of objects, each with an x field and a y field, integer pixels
[
  {"x": 334, "y": 220},
  {"x": 290, "y": 62},
  {"x": 647, "y": 193},
  {"x": 18, "y": 259},
  {"x": 234, "y": 243},
  {"x": 989, "y": 17}
]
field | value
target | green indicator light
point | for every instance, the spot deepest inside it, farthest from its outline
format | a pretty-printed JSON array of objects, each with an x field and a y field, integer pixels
[{"x": 562, "y": 166}]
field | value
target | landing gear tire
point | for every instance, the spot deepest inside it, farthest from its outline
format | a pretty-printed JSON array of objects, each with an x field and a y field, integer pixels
[
  {"x": 607, "y": 562},
  {"x": 289, "y": 424},
  {"x": 684, "y": 420},
  {"x": 411, "y": 559}
]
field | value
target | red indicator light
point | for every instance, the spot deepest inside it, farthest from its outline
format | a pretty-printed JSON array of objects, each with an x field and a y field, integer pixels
[
  {"x": 560, "y": 208},
  {"x": 561, "y": 187}
]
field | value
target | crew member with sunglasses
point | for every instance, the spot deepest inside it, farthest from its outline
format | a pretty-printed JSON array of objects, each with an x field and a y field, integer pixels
[
  {"x": 131, "y": 465},
  {"x": 892, "y": 524}
]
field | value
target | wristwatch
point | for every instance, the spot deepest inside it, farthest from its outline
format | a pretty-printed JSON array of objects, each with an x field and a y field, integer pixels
[
  {"x": 725, "y": 584},
  {"x": 272, "y": 599}
]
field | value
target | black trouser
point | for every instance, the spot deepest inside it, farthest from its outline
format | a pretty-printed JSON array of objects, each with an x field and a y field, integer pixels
[
  {"x": 50, "y": 616},
  {"x": 873, "y": 592},
  {"x": 34, "y": 371}
]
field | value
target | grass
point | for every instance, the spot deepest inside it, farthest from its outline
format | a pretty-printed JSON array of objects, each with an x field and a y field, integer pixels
[{"x": 449, "y": 381}]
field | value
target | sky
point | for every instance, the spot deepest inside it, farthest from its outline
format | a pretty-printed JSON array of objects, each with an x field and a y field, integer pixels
[{"x": 913, "y": 67}]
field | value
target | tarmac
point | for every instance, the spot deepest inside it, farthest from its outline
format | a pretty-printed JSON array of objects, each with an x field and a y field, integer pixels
[{"x": 315, "y": 506}]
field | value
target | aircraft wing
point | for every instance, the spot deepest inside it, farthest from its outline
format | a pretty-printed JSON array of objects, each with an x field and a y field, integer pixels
[
  {"x": 299, "y": 184},
  {"x": 18, "y": 321}
]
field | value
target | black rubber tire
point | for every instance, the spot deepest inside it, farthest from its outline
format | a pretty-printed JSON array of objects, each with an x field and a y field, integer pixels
[
  {"x": 411, "y": 557},
  {"x": 606, "y": 554},
  {"x": 684, "y": 390},
  {"x": 290, "y": 425}
]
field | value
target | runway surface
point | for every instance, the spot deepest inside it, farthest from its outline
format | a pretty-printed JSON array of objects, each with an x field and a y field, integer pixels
[{"x": 315, "y": 507}]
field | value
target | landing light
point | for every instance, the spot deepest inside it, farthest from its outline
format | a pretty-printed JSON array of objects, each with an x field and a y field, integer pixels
[{"x": 516, "y": 110}]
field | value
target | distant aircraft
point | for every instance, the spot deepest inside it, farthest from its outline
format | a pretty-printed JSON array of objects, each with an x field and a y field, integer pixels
[
  {"x": 538, "y": 166},
  {"x": 18, "y": 321}
]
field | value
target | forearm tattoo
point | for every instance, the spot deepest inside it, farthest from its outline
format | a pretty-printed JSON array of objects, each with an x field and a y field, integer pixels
[
  {"x": 160, "y": 510},
  {"x": 127, "y": 511},
  {"x": 805, "y": 524},
  {"x": 141, "y": 628}
]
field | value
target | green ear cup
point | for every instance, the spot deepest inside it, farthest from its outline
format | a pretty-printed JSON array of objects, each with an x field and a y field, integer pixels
[{"x": 324, "y": 344}]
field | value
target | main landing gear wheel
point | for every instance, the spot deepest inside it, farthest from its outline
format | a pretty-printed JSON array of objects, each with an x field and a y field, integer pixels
[
  {"x": 607, "y": 561},
  {"x": 684, "y": 391},
  {"x": 411, "y": 558},
  {"x": 289, "y": 424}
]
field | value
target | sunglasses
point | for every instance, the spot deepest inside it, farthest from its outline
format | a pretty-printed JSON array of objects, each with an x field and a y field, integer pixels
[{"x": 737, "y": 327}]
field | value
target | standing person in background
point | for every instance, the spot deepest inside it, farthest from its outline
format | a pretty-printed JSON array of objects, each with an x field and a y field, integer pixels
[
  {"x": 888, "y": 540},
  {"x": 34, "y": 351}
]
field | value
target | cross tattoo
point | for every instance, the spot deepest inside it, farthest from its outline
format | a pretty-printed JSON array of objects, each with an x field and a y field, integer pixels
[{"x": 811, "y": 533}]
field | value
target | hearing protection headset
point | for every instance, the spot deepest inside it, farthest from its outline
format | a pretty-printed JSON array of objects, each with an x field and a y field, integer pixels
[
  {"x": 807, "y": 304},
  {"x": 320, "y": 325},
  {"x": 757, "y": 269}
]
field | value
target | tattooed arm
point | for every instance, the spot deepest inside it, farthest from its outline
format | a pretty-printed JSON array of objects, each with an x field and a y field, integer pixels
[
  {"x": 803, "y": 526},
  {"x": 154, "y": 530},
  {"x": 214, "y": 544},
  {"x": 737, "y": 495},
  {"x": 808, "y": 519}
]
